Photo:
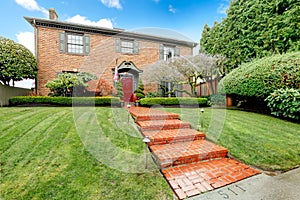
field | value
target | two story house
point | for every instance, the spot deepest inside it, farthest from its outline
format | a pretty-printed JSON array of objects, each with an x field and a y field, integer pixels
[{"x": 69, "y": 47}]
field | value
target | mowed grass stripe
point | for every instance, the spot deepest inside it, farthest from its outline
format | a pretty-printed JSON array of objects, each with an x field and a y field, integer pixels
[
  {"x": 7, "y": 113},
  {"x": 25, "y": 145},
  {"x": 53, "y": 162},
  {"x": 37, "y": 163},
  {"x": 24, "y": 128},
  {"x": 9, "y": 121},
  {"x": 123, "y": 134},
  {"x": 20, "y": 122},
  {"x": 43, "y": 135}
]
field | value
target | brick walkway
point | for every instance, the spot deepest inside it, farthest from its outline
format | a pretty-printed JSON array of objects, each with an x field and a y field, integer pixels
[{"x": 190, "y": 164}]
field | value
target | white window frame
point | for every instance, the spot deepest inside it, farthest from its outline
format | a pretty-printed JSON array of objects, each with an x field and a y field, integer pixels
[{"x": 169, "y": 53}]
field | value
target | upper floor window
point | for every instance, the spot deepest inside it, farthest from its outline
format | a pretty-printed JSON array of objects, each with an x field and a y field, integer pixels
[
  {"x": 127, "y": 46},
  {"x": 167, "y": 53},
  {"x": 74, "y": 43}
]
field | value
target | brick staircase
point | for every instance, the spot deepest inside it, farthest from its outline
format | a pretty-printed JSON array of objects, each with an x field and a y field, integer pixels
[{"x": 190, "y": 164}]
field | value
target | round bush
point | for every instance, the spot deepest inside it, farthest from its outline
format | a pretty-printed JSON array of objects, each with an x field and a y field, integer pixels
[{"x": 261, "y": 77}]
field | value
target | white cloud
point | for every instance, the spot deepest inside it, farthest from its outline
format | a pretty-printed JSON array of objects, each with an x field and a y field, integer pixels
[
  {"x": 26, "y": 39},
  {"x": 223, "y": 8},
  {"x": 112, "y": 3},
  {"x": 107, "y": 23},
  {"x": 172, "y": 9},
  {"x": 31, "y": 5}
]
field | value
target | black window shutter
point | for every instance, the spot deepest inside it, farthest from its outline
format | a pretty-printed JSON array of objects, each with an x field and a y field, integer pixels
[
  {"x": 86, "y": 44},
  {"x": 62, "y": 43},
  {"x": 177, "y": 51},
  {"x": 161, "y": 52},
  {"x": 118, "y": 45},
  {"x": 136, "y": 47}
]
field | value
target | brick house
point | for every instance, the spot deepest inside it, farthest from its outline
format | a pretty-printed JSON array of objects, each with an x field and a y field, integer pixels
[{"x": 70, "y": 47}]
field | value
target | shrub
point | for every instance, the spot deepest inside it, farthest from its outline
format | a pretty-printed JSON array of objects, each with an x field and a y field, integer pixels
[
  {"x": 140, "y": 90},
  {"x": 285, "y": 103},
  {"x": 64, "y": 84},
  {"x": 64, "y": 101},
  {"x": 104, "y": 88},
  {"x": 152, "y": 95},
  {"x": 119, "y": 90},
  {"x": 261, "y": 77},
  {"x": 174, "y": 101}
]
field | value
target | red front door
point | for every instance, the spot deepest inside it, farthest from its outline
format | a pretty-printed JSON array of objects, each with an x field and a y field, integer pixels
[{"x": 127, "y": 87}]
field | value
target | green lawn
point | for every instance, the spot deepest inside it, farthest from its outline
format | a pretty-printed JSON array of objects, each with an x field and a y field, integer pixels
[
  {"x": 259, "y": 140},
  {"x": 44, "y": 155}
]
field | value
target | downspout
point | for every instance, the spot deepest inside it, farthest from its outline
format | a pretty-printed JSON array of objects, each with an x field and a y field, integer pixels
[{"x": 36, "y": 52}]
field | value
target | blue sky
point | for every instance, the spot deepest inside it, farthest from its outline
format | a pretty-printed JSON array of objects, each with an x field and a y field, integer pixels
[{"x": 184, "y": 16}]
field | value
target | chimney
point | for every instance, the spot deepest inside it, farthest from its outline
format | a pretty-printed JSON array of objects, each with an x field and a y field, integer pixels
[{"x": 52, "y": 14}]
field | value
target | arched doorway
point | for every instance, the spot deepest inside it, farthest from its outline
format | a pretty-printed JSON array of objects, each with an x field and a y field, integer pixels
[{"x": 129, "y": 76}]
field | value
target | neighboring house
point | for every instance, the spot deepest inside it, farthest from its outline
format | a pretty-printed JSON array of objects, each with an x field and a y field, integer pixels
[{"x": 69, "y": 47}]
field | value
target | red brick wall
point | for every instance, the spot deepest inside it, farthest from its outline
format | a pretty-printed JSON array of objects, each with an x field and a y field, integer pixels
[{"x": 101, "y": 60}]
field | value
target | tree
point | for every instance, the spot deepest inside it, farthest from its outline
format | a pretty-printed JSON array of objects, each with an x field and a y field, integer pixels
[
  {"x": 253, "y": 29},
  {"x": 16, "y": 62},
  {"x": 184, "y": 70},
  {"x": 196, "y": 68}
]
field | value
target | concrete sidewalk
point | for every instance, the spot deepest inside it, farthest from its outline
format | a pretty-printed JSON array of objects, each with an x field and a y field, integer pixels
[{"x": 285, "y": 186}]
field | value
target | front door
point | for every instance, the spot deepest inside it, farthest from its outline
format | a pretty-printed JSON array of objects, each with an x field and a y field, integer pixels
[{"x": 127, "y": 82}]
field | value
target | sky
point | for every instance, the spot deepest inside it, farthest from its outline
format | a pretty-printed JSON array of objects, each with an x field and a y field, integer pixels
[{"x": 186, "y": 17}]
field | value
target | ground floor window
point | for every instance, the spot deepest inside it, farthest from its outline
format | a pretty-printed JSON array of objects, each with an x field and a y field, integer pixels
[{"x": 169, "y": 89}]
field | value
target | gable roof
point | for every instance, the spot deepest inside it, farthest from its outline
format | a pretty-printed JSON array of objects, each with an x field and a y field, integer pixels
[{"x": 162, "y": 37}]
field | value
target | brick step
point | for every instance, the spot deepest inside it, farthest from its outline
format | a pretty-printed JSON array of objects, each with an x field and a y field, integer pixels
[
  {"x": 145, "y": 114},
  {"x": 195, "y": 178},
  {"x": 173, "y": 136},
  {"x": 162, "y": 125},
  {"x": 168, "y": 155}
]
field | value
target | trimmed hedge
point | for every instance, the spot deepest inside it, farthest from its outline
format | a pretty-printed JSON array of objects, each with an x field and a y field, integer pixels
[
  {"x": 263, "y": 76},
  {"x": 174, "y": 101},
  {"x": 64, "y": 101}
]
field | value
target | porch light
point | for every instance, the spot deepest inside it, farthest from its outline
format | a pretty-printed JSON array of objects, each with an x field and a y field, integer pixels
[
  {"x": 202, "y": 118},
  {"x": 128, "y": 107},
  {"x": 146, "y": 140}
]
